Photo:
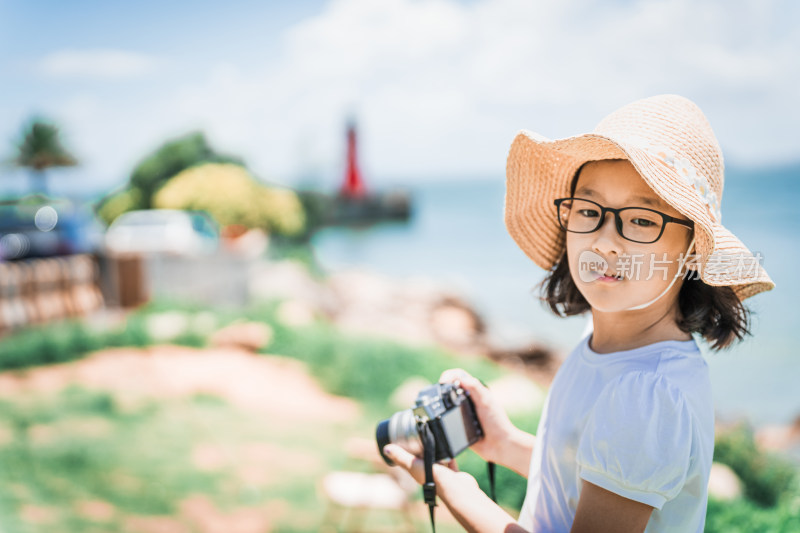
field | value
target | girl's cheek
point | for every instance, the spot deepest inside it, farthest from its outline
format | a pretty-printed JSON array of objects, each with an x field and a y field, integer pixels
[
  {"x": 574, "y": 249},
  {"x": 576, "y": 243},
  {"x": 655, "y": 265}
]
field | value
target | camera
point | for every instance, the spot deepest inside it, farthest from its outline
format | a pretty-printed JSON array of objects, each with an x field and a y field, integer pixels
[{"x": 447, "y": 411}]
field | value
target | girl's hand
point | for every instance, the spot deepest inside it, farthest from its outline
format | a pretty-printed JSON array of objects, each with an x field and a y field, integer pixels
[
  {"x": 503, "y": 443},
  {"x": 497, "y": 427},
  {"x": 459, "y": 491},
  {"x": 412, "y": 464}
]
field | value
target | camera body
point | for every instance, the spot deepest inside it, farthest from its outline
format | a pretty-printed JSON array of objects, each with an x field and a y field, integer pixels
[{"x": 447, "y": 410}]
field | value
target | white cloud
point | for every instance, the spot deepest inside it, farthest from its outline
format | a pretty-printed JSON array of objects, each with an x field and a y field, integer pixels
[
  {"x": 96, "y": 64},
  {"x": 440, "y": 87}
]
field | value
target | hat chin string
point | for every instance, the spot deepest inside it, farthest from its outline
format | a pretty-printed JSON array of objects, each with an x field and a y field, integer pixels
[{"x": 671, "y": 283}]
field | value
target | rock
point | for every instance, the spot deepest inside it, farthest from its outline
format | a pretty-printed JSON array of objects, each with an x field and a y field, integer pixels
[
  {"x": 517, "y": 394},
  {"x": 723, "y": 483},
  {"x": 38, "y": 514},
  {"x": 540, "y": 363},
  {"x": 166, "y": 326},
  {"x": 251, "y": 336},
  {"x": 416, "y": 311},
  {"x": 163, "y": 327},
  {"x": 413, "y": 311},
  {"x": 295, "y": 313},
  {"x": 405, "y": 395},
  {"x": 288, "y": 280},
  {"x": 96, "y": 510},
  {"x": 203, "y": 322},
  {"x": 456, "y": 325},
  {"x": 370, "y": 304},
  {"x": 358, "y": 490},
  {"x": 779, "y": 438}
]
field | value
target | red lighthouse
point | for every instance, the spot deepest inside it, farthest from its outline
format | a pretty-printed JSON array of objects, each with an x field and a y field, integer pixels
[{"x": 353, "y": 186}]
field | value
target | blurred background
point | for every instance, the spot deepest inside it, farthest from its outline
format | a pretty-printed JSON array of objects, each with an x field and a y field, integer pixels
[{"x": 235, "y": 236}]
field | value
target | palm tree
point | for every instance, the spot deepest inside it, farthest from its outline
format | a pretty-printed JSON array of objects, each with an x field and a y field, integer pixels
[{"x": 40, "y": 148}]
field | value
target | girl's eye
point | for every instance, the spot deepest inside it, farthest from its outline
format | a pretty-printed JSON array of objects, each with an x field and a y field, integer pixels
[
  {"x": 589, "y": 213},
  {"x": 643, "y": 222}
]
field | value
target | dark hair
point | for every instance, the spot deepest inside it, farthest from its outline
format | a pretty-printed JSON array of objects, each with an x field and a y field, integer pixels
[{"x": 716, "y": 313}]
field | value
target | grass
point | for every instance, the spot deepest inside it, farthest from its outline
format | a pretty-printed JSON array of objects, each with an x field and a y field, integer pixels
[
  {"x": 59, "y": 452},
  {"x": 364, "y": 368},
  {"x": 766, "y": 477},
  {"x": 367, "y": 369},
  {"x": 139, "y": 460},
  {"x": 81, "y": 446}
]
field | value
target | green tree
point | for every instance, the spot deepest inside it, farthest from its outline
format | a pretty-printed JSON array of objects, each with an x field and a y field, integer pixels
[
  {"x": 170, "y": 159},
  {"x": 154, "y": 170},
  {"x": 40, "y": 148}
]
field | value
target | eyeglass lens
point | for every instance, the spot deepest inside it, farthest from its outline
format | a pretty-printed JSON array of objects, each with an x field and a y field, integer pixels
[{"x": 583, "y": 216}]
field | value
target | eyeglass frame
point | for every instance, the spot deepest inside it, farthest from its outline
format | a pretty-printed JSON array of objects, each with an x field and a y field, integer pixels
[{"x": 618, "y": 219}]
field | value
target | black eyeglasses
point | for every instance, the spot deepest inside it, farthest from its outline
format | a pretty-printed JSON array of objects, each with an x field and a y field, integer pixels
[{"x": 637, "y": 224}]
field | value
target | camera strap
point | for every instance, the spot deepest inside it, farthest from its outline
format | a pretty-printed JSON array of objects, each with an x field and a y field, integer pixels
[
  {"x": 429, "y": 487},
  {"x": 490, "y": 467},
  {"x": 429, "y": 455}
]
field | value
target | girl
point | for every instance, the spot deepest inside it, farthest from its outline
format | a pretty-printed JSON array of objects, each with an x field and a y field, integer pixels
[{"x": 626, "y": 438}]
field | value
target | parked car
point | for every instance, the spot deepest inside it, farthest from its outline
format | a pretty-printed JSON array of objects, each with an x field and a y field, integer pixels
[
  {"x": 162, "y": 231},
  {"x": 37, "y": 226}
]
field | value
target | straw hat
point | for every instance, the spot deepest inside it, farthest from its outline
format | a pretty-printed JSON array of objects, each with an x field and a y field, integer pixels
[{"x": 670, "y": 143}]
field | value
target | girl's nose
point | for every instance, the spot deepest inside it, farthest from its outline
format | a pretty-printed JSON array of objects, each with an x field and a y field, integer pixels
[{"x": 607, "y": 240}]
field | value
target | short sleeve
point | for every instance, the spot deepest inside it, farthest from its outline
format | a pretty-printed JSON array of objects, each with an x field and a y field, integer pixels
[{"x": 638, "y": 439}]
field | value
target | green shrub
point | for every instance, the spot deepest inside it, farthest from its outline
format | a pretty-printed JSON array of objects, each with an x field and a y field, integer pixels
[
  {"x": 765, "y": 477},
  {"x": 54, "y": 343},
  {"x": 231, "y": 196},
  {"x": 69, "y": 340},
  {"x": 742, "y": 516}
]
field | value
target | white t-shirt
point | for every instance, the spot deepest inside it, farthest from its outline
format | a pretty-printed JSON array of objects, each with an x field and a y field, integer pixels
[{"x": 639, "y": 423}]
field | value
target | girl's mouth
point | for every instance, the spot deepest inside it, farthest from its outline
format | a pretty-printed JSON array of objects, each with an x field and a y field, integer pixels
[{"x": 609, "y": 277}]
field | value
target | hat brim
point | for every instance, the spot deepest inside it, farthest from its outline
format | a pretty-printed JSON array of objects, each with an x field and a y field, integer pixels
[{"x": 539, "y": 170}]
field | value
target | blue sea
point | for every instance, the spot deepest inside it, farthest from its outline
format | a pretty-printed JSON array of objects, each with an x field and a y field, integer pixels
[{"x": 457, "y": 237}]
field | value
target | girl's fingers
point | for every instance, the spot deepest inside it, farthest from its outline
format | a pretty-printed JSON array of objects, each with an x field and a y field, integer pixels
[
  {"x": 414, "y": 465},
  {"x": 405, "y": 460},
  {"x": 453, "y": 374},
  {"x": 398, "y": 455},
  {"x": 469, "y": 382}
]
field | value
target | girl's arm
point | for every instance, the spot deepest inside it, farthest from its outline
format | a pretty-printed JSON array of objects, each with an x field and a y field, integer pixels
[
  {"x": 600, "y": 511},
  {"x": 503, "y": 442},
  {"x": 459, "y": 491}
]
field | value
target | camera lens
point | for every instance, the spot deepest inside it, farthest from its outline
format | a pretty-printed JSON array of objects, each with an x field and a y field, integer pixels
[
  {"x": 382, "y": 436},
  {"x": 400, "y": 429}
]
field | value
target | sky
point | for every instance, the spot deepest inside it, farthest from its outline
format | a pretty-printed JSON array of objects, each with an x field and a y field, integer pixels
[{"x": 438, "y": 88}]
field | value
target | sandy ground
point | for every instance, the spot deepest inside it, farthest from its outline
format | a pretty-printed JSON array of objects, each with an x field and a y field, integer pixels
[{"x": 276, "y": 386}]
